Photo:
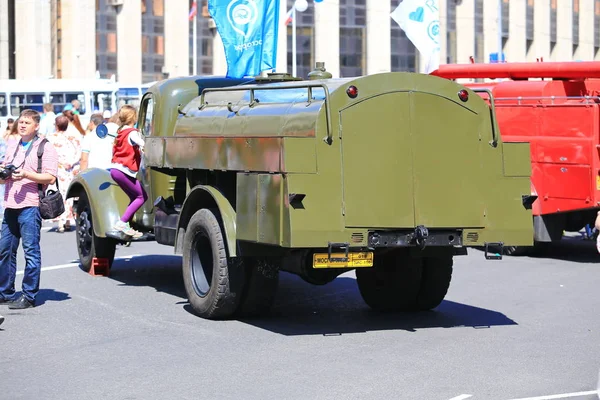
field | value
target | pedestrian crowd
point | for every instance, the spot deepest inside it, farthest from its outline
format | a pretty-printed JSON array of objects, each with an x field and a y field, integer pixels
[{"x": 40, "y": 167}]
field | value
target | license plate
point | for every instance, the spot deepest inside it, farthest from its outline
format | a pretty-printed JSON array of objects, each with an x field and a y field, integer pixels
[{"x": 355, "y": 260}]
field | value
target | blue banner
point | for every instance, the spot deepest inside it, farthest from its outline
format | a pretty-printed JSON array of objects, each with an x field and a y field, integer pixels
[{"x": 248, "y": 29}]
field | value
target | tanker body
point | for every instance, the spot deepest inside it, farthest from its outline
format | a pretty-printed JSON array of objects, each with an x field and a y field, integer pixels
[
  {"x": 391, "y": 175},
  {"x": 555, "y": 107}
]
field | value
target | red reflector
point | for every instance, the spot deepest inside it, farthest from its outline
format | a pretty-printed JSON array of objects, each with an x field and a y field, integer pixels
[
  {"x": 352, "y": 92},
  {"x": 463, "y": 95}
]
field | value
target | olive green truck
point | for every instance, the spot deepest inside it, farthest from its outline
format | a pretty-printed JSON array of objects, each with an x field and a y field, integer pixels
[{"x": 391, "y": 175}]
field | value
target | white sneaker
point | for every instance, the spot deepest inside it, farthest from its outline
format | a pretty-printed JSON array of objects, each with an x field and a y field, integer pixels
[
  {"x": 1, "y": 319},
  {"x": 124, "y": 227}
]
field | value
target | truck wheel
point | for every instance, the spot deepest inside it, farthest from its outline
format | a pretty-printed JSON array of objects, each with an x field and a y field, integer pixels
[
  {"x": 517, "y": 251},
  {"x": 212, "y": 282},
  {"x": 392, "y": 284},
  {"x": 435, "y": 281},
  {"x": 90, "y": 246},
  {"x": 260, "y": 288}
]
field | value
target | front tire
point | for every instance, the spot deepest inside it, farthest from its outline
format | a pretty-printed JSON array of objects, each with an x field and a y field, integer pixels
[
  {"x": 212, "y": 282},
  {"x": 90, "y": 246}
]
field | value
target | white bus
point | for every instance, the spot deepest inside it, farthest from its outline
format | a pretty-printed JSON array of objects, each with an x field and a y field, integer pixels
[
  {"x": 95, "y": 95},
  {"x": 132, "y": 94}
]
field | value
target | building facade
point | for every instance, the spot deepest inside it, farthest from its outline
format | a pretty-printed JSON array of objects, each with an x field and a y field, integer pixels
[{"x": 140, "y": 41}]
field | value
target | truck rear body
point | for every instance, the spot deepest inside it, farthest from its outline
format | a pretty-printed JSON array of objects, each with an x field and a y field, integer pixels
[{"x": 367, "y": 171}]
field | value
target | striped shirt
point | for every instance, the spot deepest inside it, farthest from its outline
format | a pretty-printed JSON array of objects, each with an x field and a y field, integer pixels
[{"x": 24, "y": 193}]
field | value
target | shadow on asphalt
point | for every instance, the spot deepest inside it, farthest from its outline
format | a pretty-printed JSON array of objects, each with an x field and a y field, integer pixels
[
  {"x": 162, "y": 272},
  {"x": 45, "y": 295},
  {"x": 568, "y": 249},
  {"x": 338, "y": 308},
  {"x": 304, "y": 309}
]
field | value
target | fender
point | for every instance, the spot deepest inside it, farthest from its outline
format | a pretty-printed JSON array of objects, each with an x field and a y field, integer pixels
[
  {"x": 107, "y": 200},
  {"x": 208, "y": 197}
]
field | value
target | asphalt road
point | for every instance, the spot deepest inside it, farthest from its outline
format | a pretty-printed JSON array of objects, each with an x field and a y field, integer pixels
[{"x": 512, "y": 329}]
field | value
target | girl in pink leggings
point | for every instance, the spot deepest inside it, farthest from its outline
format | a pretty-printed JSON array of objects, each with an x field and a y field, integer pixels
[{"x": 127, "y": 156}]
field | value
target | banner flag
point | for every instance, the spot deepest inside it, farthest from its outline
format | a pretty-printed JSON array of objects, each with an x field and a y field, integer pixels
[
  {"x": 420, "y": 20},
  {"x": 193, "y": 11},
  {"x": 249, "y": 30}
]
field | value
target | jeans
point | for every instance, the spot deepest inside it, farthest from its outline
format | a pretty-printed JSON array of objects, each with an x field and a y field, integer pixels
[{"x": 25, "y": 224}]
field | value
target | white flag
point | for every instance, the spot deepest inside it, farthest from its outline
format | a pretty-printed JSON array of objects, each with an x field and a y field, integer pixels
[{"x": 420, "y": 20}]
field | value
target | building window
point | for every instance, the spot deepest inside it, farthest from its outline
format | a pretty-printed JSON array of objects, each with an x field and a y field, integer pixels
[
  {"x": 204, "y": 41},
  {"x": 575, "y": 23},
  {"x": 451, "y": 53},
  {"x": 106, "y": 39},
  {"x": 305, "y": 41},
  {"x": 353, "y": 22},
  {"x": 530, "y": 18},
  {"x": 479, "y": 42},
  {"x": 552, "y": 23},
  {"x": 153, "y": 35},
  {"x": 505, "y": 18},
  {"x": 403, "y": 52}
]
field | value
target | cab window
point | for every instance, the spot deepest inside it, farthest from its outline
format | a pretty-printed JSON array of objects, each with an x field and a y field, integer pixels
[{"x": 146, "y": 115}]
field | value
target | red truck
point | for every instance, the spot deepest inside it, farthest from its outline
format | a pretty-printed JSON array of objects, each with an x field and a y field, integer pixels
[{"x": 555, "y": 106}]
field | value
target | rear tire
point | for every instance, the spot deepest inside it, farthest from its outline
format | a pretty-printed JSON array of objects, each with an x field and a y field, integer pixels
[
  {"x": 90, "y": 246},
  {"x": 435, "y": 281},
  {"x": 517, "y": 251},
  {"x": 398, "y": 282},
  {"x": 392, "y": 284},
  {"x": 213, "y": 282}
]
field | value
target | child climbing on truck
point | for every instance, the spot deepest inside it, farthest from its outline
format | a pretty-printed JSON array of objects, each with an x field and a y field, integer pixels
[{"x": 126, "y": 160}]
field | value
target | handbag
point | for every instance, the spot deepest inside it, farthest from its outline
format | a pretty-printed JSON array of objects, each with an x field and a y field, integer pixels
[{"x": 51, "y": 203}]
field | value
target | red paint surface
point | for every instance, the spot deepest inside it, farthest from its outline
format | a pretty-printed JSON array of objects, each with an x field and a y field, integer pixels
[{"x": 554, "y": 115}]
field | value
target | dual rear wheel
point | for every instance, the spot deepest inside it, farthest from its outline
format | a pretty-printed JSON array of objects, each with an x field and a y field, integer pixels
[
  {"x": 399, "y": 282},
  {"x": 219, "y": 286}
]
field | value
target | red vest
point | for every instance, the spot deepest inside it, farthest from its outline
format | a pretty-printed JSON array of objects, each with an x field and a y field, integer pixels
[{"x": 124, "y": 153}]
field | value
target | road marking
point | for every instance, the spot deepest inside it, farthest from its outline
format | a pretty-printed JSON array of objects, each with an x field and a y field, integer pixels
[
  {"x": 462, "y": 397},
  {"x": 53, "y": 267},
  {"x": 71, "y": 265},
  {"x": 560, "y": 396}
]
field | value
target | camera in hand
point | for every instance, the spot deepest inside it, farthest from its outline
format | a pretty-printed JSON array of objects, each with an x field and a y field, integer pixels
[{"x": 7, "y": 171}]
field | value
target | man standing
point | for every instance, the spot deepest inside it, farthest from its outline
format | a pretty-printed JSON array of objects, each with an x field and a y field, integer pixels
[
  {"x": 48, "y": 119},
  {"x": 96, "y": 151},
  {"x": 22, "y": 219}
]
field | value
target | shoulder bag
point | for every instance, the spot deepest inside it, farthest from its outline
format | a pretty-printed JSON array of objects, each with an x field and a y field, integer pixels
[{"x": 51, "y": 203}]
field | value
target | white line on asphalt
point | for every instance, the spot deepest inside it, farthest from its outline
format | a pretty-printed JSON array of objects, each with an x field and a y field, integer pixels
[
  {"x": 561, "y": 396},
  {"x": 53, "y": 267},
  {"x": 71, "y": 265},
  {"x": 462, "y": 397}
]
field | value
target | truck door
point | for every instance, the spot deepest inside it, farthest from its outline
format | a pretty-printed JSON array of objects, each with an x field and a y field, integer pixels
[{"x": 412, "y": 158}]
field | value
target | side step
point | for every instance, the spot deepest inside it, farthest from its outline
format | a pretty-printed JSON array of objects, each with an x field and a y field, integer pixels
[{"x": 122, "y": 238}]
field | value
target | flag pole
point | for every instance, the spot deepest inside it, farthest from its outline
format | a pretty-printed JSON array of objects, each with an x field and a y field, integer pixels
[
  {"x": 195, "y": 43},
  {"x": 294, "y": 40},
  {"x": 500, "y": 33}
]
